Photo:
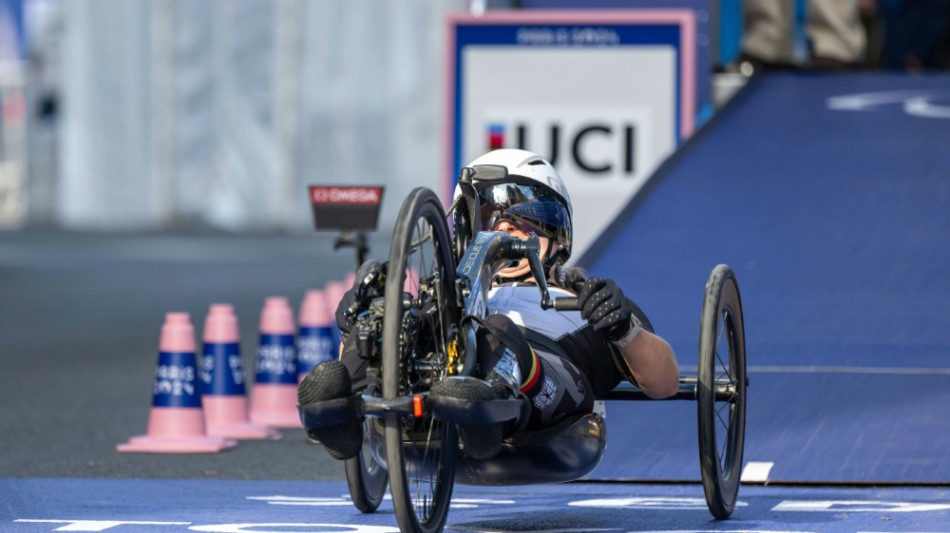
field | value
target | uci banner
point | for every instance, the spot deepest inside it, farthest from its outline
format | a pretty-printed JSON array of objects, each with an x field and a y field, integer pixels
[{"x": 605, "y": 95}]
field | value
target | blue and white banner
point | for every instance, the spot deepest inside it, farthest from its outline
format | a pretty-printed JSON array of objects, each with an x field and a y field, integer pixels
[{"x": 605, "y": 96}]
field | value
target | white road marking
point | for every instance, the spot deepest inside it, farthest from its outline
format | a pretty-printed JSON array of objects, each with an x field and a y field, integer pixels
[
  {"x": 859, "y": 506},
  {"x": 667, "y": 503},
  {"x": 756, "y": 472},
  {"x": 96, "y": 525}
]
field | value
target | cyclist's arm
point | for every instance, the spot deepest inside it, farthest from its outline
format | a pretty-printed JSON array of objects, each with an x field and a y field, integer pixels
[{"x": 652, "y": 363}]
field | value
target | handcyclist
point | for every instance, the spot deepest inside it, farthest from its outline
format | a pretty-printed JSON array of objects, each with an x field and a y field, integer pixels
[{"x": 558, "y": 361}]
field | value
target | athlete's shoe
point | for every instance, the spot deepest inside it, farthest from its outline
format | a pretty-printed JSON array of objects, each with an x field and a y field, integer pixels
[
  {"x": 481, "y": 441},
  {"x": 330, "y": 381}
]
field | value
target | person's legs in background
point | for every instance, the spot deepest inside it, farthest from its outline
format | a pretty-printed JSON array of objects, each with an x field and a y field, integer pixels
[
  {"x": 836, "y": 34},
  {"x": 767, "y": 33},
  {"x": 837, "y": 38}
]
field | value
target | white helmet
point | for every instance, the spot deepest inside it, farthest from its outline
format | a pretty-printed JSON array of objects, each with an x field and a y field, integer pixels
[{"x": 532, "y": 195}]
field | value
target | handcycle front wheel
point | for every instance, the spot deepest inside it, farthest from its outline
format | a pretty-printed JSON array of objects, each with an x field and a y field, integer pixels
[
  {"x": 420, "y": 314},
  {"x": 721, "y": 391}
]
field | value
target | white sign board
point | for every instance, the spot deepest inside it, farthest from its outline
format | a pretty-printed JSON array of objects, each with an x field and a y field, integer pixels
[{"x": 604, "y": 95}]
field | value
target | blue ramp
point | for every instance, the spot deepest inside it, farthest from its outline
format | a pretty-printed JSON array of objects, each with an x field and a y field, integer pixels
[{"x": 829, "y": 195}]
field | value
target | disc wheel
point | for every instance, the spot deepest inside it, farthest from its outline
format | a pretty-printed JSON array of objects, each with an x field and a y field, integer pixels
[
  {"x": 721, "y": 391},
  {"x": 420, "y": 315},
  {"x": 365, "y": 476}
]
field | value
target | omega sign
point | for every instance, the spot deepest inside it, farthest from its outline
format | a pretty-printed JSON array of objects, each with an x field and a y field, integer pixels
[
  {"x": 346, "y": 208},
  {"x": 345, "y": 195}
]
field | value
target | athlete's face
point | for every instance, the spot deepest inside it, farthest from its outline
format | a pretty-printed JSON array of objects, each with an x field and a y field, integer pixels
[{"x": 521, "y": 267}]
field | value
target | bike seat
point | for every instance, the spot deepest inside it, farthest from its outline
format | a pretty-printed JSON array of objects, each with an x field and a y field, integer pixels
[{"x": 564, "y": 452}]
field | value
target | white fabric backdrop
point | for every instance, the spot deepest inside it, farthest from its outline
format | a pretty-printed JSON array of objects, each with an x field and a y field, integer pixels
[{"x": 220, "y": 112}]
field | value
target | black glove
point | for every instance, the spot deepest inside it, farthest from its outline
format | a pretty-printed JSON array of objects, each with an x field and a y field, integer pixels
[
  {"x": 570, "y": 278},
  {"x": 369, "y": 283},
  {"x": 604, "y": 306}
]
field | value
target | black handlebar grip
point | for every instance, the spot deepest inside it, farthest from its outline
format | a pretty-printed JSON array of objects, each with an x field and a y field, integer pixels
[
  {"x": 567, "y": 303},
  {"x": 524, "y": 248}
]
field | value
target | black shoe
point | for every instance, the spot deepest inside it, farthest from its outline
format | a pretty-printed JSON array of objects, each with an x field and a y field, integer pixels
[
  {"x": 330, "y": 381},
  {"x": 482, "y": 441}
]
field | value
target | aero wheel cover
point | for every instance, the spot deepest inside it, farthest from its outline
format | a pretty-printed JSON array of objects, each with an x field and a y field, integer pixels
[{"x": 722, "y": 364}]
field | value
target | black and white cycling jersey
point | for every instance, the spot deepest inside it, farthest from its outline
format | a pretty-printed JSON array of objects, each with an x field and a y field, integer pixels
[{"x": 574, "y": 337}]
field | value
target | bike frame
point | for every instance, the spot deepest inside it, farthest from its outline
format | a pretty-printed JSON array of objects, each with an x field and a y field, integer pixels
[{"x": 488, "y": 252}]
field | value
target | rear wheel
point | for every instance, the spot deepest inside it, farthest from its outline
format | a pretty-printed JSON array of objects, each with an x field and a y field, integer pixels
[
  {"x": 420, "y": 316},
  {"x": 721, "y": 391},
  {"x": 365, "y": 477}
]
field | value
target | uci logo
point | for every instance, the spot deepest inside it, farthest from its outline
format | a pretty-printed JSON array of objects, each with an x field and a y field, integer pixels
[{"x": 593, "y": 146}]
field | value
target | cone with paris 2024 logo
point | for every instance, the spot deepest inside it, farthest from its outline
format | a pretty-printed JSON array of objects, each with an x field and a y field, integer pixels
[
  {"x": 176, "y": 420},
  {"x": 315, "y": 338},
  {"x": 333, "y": 292},
  {"x": 274, "y": 395},
  {"x": 222, "y": 377}
]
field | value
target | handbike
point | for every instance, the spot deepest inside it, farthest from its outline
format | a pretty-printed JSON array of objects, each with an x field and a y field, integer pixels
[{"x": 423, "y": 329}]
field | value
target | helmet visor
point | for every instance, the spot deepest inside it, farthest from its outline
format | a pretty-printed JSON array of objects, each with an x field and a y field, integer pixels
[{"x": 531, "y": 208}]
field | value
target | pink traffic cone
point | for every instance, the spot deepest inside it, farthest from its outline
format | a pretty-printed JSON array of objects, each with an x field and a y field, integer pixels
[
  {"x": 222, "y": 378},
  {"x": 176, "y": 422},
  {"x": 274, "y": 396},
  {"x": 348, "y": 279},
  {"x": 334, "y": 291},
  {"x": 315, "y": 337},
  {"x": 411, "y": 283}
]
